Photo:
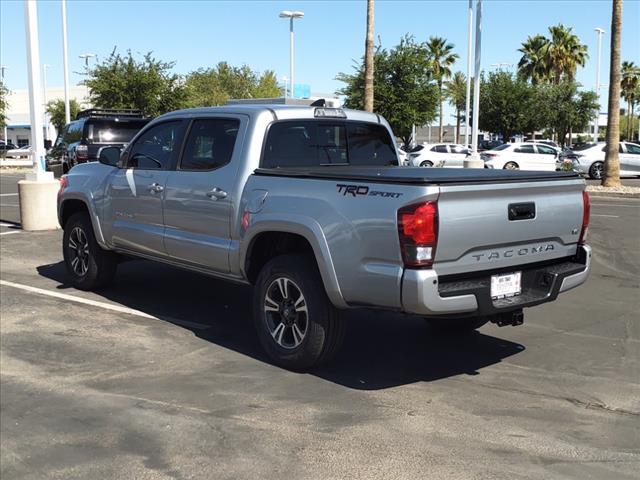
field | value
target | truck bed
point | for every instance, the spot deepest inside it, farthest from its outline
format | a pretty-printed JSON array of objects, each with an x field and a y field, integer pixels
[{"x": 416, "y": 175}]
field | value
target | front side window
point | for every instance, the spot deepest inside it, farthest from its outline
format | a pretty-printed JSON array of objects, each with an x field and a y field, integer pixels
[
  {"x": 546, "y": 150},
  {"x": 458, "y": 149},
  {"x": 309, "y": 143},
  {"x": 209, "y": 144},
  {"x": 155, "y": 148}
]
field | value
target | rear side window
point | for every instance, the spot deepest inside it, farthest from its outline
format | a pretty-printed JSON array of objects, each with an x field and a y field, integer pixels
[
  {"x": 209, "y": 144},
  {"x": 439, "y": 149},
  {"x": 73, "y": 132},
  {"x": 524, "y": 149},
  {"x": 312, "y": 143}
]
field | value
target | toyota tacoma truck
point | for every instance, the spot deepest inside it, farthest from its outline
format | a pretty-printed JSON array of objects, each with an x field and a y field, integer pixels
[{"x": 308, "y": 205}]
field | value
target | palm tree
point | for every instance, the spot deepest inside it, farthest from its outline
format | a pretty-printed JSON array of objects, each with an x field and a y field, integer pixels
[
  {"x": 611, "y": 159},
  {"x": 629, "y": 86},
  {"x": 456, "y": 92},
  {"x": 368, "y": 60},
  {"x": 533, "y": 63},
  {"x": 564, "y": 53},
  {"x": 440, "y": 59}
]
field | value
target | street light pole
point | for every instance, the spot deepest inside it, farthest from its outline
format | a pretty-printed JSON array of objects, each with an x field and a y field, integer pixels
[
  {"x": 35, "y": 85},
  {"x": 86, "y": 57},
  {"x": 600, "y": 33},
  {"x": 291, "y": 16},
  {"x": 44, "y": 100},
  {"x": 65, "y": 62},
  {"x": 2, "y": 69},
  {"x": 468, "y": 97},
  {"x": 476, "y": 79}
]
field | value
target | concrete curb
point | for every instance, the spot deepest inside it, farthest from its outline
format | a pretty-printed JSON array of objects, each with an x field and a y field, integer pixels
[{"x": 613, "y": 194}]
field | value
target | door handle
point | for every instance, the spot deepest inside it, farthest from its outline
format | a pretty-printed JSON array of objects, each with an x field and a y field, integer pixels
[
  {"x": 217, "y": 193},
  {"x": 155, "y": 188}
]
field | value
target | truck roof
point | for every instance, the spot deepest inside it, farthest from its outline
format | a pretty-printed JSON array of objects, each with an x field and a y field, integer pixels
[{"x": 279, "y": 112}]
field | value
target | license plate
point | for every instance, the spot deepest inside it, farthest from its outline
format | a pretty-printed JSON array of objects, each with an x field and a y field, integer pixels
[{"x": 506, "y": 285}]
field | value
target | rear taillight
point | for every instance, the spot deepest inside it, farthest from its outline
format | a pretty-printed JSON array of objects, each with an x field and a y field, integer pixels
[
  {"x": 418, "y": 231},
  {"x": 82, "y": 152},
  {"x": 487, "y": 154},
  {"x": 63, "y": 184},
  {"x": 586, "y": 212}
]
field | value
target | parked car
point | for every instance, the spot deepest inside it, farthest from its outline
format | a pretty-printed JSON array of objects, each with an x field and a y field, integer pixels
[
  {"x": 589, "y": 159},
  {"x": 80, "y": 140},
  {"x": 521, "y": 156},
  {"x": 21, "y": 152},
  {"x": 5, "y": 147},
  {"x": 437, "y": 155},
  {"x": 308, "y": 205}
]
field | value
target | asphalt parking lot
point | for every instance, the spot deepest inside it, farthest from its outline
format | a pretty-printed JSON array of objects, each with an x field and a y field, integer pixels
[{"x": 161, "y": 376}]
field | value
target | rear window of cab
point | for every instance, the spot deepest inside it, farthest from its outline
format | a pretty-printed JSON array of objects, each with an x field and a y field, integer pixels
[{"x": 309, "y": 143}]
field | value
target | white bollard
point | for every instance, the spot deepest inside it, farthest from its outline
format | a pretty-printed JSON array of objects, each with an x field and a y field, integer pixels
[
  {"x": 473, "y": 161},
  {"x": 38, "y": 194}
]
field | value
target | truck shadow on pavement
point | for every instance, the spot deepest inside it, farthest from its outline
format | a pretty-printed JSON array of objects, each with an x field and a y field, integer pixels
[{"x": 381, "y": 350}]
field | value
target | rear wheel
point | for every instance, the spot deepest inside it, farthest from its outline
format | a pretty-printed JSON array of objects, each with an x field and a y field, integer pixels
[
  {"x": 426, "y": 163},
  {"x": 511, "y": 166},
  {"x": 596, "y": 170},
  {"x": 88, "y": 265},
  {"x": 456, "y": 325},
  {"x": 296, "y": 323}
]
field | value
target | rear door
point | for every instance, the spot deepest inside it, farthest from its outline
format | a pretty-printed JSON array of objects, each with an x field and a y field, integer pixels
[
  {"x": 136, "y": 192},
  {"x": 525, "y": 156},
  {"x": 201, "y": 193}
]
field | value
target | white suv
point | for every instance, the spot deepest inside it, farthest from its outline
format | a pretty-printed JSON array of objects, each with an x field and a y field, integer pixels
[
  {"x": 521, "y": 156},
  {"x": 438, "y": 155}
]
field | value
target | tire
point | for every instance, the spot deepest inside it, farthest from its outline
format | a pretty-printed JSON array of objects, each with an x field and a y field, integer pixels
[
  {"x": 596, "y": 170},
  {"x": 456, "y": 325},
  {"x": 295, "y": 338},
  {"x": 511, "y": 166},
  {"x": 89, "y": 267},
  {"x": 426, "y": 163}
]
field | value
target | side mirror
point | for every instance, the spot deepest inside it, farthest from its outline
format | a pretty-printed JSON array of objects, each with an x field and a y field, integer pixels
[{"x": 109, "y": 156}]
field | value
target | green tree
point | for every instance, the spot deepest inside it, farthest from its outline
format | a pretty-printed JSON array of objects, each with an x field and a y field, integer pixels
[
  {"x": 55, "y": 110},
  {"x": 440, "y": 58},
  {"x": 611, "y": 177},
  {"x": 124, "y": 82},
  {"x": 553, "y": 59},
  {"x": 214, "y": 86},
  {"x": 403, "y": 90},
  {"x": 533, "y": 63},
  {"x": 569, "y": 109},
  {"x": 456, "y": 92},
  {"x": 508, "y": 105},
  {"x": 629, "y": 90},
  {"x": 4, "y": 104}
]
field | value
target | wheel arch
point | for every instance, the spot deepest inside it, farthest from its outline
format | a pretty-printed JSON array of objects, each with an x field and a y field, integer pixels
[{"x": 72, "y": 205}]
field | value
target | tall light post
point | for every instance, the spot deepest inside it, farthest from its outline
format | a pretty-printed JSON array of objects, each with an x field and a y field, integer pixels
[
  {"x": 44, "y": 99},
  {"x": 291, "y": 16},
  {"x": 2, "y": 69},
  {"x": 285, "y": 79},
  {"x": 86, "y": 57},
  {"x": 474, "y": 161},
  {"x": 65, "y": 62},
  {"x": 468, "y": 97},
  {"x": 600, "y": 33}
]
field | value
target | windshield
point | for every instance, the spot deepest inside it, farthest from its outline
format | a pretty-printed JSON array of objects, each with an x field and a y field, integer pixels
[{"x": 113, "y": 132}]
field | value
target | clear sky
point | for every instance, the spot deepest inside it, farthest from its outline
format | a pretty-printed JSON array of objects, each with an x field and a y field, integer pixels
[{"x": 202, "y": 33}]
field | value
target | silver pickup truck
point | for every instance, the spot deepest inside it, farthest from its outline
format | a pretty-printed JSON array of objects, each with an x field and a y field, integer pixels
[{"x": 309, "y": 205}]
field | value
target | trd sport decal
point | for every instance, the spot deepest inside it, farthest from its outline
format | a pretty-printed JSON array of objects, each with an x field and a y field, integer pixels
[{"x": 356, "y": 190}]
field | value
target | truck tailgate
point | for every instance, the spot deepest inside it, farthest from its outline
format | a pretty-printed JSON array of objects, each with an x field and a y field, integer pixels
[{"x": 499, "y": 225}]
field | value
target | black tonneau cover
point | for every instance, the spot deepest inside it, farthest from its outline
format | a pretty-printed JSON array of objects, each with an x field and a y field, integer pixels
[{"x": 416, "y": 175}]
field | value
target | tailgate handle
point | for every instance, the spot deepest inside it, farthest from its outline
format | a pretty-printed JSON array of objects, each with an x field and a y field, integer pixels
[{"x": 522, "y": 211}]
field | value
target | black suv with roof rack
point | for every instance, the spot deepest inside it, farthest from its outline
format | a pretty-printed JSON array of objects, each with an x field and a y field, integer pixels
[{"x": 81, "y": 140}]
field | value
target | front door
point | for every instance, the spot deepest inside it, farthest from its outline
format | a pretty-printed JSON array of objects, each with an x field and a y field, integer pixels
[
  {"x": 134, "y": 218},
  {"x": 201, "y": 193},
  {"x": 630, "y": 160},
  {"x": 546, "y": 157}
]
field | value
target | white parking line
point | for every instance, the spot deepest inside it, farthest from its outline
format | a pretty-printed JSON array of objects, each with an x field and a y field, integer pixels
[
  {"x": 8, "y": 194},
  {"x": 9, "y": 233},
  {"x": 104, "y": 305},
  {"x": 600, "y": 215},
  {"x": 613, "y": 205},
  {"x": 3, "y": 224}
]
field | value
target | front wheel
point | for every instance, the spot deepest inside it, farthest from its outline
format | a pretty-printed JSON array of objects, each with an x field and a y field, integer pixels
[
  {"x": 511, "y": 166},
  {"x": 456, "y": 325},
  {"x": 89, "y": 266},
  {"x": 426, "y": 163},
  {"x": 596, "y": 170},
  {"x": 296, "y": 323}
]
